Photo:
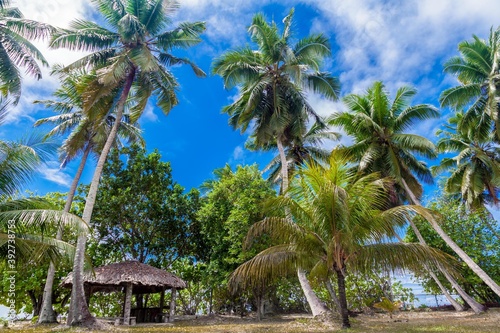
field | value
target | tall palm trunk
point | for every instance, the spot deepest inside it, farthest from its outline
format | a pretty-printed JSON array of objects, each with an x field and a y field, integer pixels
[
  {"x": 79, "y": 313},
  {"x": 47, "y": 313},
  {"x": 482, "y": 274},
  {"x": 317, "y": 307},
  {"x": 343, "y": 299}
]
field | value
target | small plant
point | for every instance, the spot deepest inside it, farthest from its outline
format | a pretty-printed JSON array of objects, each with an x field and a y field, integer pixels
[{"x": 388, "y": 305}]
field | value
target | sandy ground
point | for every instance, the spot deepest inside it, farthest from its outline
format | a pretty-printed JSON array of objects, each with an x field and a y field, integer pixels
[{"x": 402, "y": 322}]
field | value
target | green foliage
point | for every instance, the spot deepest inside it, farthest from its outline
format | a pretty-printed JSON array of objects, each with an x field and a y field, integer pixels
[
  {"x": 141, "y": 213},
  {"x": 231, "y": 205},
  {"x": 475, "y": 232},
  {"x": 388, "y": 305}
]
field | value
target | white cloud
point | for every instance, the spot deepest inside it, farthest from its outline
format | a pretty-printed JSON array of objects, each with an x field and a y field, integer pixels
[
  {"x": 149, "y": 114},
  {"x": 53, "y": 173},
  {"x": 238, "y": 154}
]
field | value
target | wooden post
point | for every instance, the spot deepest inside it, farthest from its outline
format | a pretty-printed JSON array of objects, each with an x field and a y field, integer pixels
[
  {"x": 126, "y": 306},
  {"x": 172, "y": 305},
  {"x": 162, "y": 305}
]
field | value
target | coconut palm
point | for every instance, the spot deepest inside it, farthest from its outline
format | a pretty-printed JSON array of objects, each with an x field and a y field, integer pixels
[
  {"x": 378, "y": 127},
  {"x": 340, "y": 224},
  {"x": 27, "y": 217},
  {"x": 477, "y": 71},
  {"x": 273, "y": 80},
  {"x": 16, "y": 50},
  {"x": 475, "y": 170},
  {"x": 134, "y": 52},
  {"x": 85, "y": 136},
  {"x": 303, "y": 146}
]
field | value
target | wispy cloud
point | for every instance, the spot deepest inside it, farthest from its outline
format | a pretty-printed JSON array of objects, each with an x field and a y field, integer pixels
[{"x": 53, "y": 173}]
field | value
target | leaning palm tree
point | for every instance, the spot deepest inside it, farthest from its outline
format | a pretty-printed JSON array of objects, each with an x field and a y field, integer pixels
[
  {"x": 381, "y": 144},
  {"x": 22, "y": 220},
  {"x": 304, "y": 146},
  {"x": 477, "y": 71},
  {"x": 134, "y": 52},
  {"x": 86, "y": 136},
  {"x": 340, "y": 224},
  {"x": 273, "y": 80},
  {"x": 16, "y": 50}
]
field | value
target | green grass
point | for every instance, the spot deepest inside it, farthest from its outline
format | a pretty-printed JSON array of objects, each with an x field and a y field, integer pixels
[{"x": 406, "y": 322}]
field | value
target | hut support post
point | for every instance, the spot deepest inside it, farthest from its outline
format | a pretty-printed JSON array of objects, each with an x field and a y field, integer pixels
[
  {"x": 126, "y": 306},
  {"x": 162, "y": 305},
  {"x": 172, "y": 305}
]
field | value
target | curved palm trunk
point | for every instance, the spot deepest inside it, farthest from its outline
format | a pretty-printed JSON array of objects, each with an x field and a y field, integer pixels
[
  {"x": 47, "y": 313},
  {"x": 343, "y": 299},
  {"x": 317, "y": 307},
  {"x": 79, "y": 313},
  {"x": 457, "y": 306},
  {"x": 474, "y": 305}
]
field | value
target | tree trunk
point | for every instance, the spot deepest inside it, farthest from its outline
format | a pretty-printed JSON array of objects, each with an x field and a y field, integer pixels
[
  {"x": 457, "y": 250},
  {"x": 284, "y": 166},
  {"x": 457, "y": 306},
  {"x": 317, "y": 307},
  {"x": 343, "y": 299},
  {"x": 333, "y": 295},
  {"x": 36, "y": 302},
  {"x": 79, "y": 314},
  {"x": 47, "y": 314}
]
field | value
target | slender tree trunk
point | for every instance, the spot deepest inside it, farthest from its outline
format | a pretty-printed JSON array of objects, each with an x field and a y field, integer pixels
[
  {"x": 333, "y": 294},
  {"x": 457, "y": 306},
  {"x": 343, "y": 299},
  {"x": 317, "y": 307},
  {"x": 284, "y": 166},
  {"x": 79, "y": 314},
  {"x": 472, "y": 265},
  {"x": 47, "y": 314}
]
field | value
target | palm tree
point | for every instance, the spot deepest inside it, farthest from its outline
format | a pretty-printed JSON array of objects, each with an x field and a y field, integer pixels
[
  {"x": 477, "y": 71},
  {"x": 85, "y": 136},
  {"x": 16, "y": 50},
  {"x": 381, "y": 145},
  {"x": 134, "y": 53},
  {"x": 340, "y": 224},
  {"x": 475, "y": 170},
  {"x": 304, "y": 146},
  {"x": 272, "y": 80},
  {"x": 18, "y": 162}
]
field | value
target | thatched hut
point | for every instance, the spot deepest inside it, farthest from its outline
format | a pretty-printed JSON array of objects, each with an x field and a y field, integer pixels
[{"x": 132, "y": 277}]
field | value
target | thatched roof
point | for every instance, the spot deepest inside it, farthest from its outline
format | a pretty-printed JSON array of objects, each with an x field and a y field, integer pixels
[{"x": 145, "y": 279}]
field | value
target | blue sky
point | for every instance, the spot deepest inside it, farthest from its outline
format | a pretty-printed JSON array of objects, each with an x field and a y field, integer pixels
[{"x": 398, "y": 42}]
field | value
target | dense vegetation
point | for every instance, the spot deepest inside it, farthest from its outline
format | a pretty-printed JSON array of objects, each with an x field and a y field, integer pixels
[{"x": 322, "y": 234}]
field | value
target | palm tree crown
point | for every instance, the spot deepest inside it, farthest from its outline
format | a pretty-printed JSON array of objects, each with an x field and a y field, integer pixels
[
  {"x": 477, "y": 70},
  {"x": 272, "y": 78},
  {"x": 16, "y": 50},
  {"x": 475, "y": 170},
  {"x": 381, "y": 143}
]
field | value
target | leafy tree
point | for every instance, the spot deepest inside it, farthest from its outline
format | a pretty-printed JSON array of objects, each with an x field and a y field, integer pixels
[
  {"x": 232, "y": 203},
  {"x": 381, "y": 144},
  {"x": 339, "y": 225},
  {"x": 141, "y": 213},
  {"x": 132, "y": 56},
  {"x": 16, "y": 50},
  {"x": 472, "y": 231}
]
